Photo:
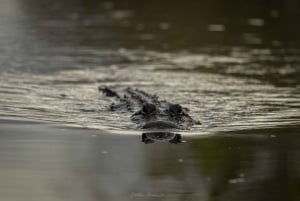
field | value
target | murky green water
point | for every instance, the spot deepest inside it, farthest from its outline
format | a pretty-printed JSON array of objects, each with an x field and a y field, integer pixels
[
  {"x": 236, "y": 65},
  {"x": 51, "y": 162}
]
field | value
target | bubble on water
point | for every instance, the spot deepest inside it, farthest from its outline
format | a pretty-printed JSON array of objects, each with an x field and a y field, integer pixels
[
  {"x": 252, "y": 39},
  {"x": 164, "y": 26},
  {"x": 165, "y": 45},
  {"x": 287, "y": 69},
  {"x": 260, "y": 51},
  {"x": 104, "y": 152},
  {"x": 147, "y": 36},
  {"x": 256, "y": 22},
  {"x": 107, "y": 5},
  {"x": 125, "y": 23},
  {"x": 236, "y": 180},
  {"x": 276, "y": 43},
  {"x": 146, "y": 195},
  {"x": 87, "y": 22},
  {"x": 216, "y": 27},
  {"x": 140, "y": 27},
  {"x": 56, "y": 6},
  {"x": 180, "y": 160},
  {"x": 274, "y": 13},
  {"x": 122, "y": 14},
  {"x": 74, "y": 16}
]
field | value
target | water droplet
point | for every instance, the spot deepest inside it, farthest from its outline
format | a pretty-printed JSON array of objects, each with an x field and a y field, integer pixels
[
  {"x": 256, "y": 22},
  {"x": 164, "y": 26},
  {"x": 276, "y": 43},
  {"x": 274, "y": 14},
  {"x": 74, "y": 16},
  {"x": 146, "y": 36},
  {"x": 107, "y": 5},
  {"x": 104, "y": 152},
  {"x": 216, "y": 27},
  {"x": 121, "y": 14},
  {"x": 236, "y": 180},
  {"x": 252, "y": 39},
  {"x": 125, "y": 23},
  {"x": 165, "y": 45},
  {"x": 140, "y": 27}
]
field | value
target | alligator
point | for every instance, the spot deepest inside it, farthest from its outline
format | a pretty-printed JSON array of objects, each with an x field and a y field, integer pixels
[{"x": 149, "y": 112}]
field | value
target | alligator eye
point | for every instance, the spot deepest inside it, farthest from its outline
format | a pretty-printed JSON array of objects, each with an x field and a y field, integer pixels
[
  {"x": 148, "y": 108},
  {"x": 175, "y": 109}
]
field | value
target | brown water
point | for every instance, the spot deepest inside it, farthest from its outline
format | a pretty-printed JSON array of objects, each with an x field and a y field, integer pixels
[{"x": 235, "y": 65}]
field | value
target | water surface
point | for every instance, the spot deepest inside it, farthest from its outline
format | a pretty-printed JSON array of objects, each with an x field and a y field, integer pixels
[
  {"x": 41, "y": 161},
  {"x": 235, "y": 65},
  {"x": 230, "y": 75}
]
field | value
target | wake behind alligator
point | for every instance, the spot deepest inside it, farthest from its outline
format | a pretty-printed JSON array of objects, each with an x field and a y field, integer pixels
[{"x": 148, "y": 112}]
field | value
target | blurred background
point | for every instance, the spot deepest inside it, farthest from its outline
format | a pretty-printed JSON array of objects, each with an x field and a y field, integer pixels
[{"x": 167, "y": 25}]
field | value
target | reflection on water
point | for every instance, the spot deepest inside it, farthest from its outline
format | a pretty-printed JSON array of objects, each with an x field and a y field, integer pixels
[
  {"x": 151, "y": 137},
  {"x": 49, "y": 162}
]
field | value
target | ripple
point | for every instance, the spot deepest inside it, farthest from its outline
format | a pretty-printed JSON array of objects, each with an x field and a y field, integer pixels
[{"x": 215, "y": 97}]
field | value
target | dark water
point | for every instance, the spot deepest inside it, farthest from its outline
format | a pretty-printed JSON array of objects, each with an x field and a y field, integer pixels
[
  {"x": 236, "y": 65},
  {"x": 50, "y": 162}
]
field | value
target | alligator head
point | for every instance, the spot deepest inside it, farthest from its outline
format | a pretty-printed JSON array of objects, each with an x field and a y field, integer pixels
[{"x": 167, "y": 116}]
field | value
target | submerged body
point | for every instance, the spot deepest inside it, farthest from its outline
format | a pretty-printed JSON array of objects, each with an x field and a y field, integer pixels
[{"x": 148, "y": 111}]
